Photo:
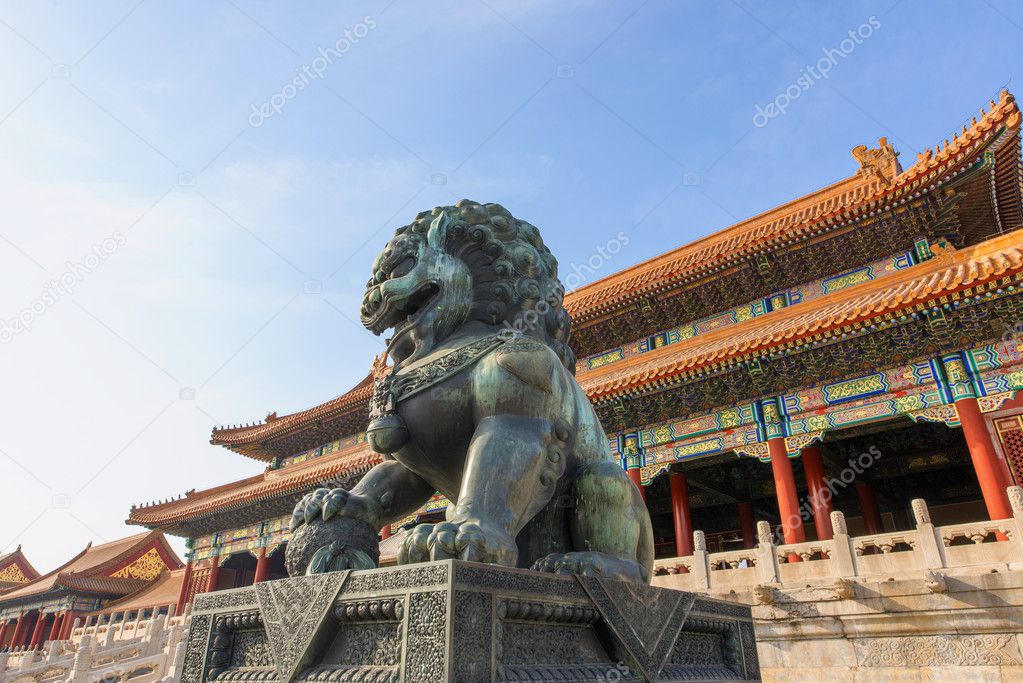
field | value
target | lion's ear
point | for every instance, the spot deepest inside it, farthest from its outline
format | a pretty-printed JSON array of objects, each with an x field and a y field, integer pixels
[{"x": 437, "y": 235}]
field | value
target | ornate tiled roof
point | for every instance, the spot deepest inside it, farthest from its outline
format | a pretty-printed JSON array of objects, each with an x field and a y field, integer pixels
[
  {"x": 895, "y": 294},
  {"x": 15, "y": 570},
  {"x": 834, "y": 206},
  {"x": 270, "y": 484},
  {"x": 98, "y": 569},
  {"x": 163, "y": 591}
]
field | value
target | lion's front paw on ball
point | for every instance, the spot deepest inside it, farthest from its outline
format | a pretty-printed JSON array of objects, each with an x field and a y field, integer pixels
[{"x": 331, "y": 545}]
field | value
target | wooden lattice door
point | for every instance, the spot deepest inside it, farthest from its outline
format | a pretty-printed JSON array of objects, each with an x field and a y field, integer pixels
[{"x": 1010, "y": 436}]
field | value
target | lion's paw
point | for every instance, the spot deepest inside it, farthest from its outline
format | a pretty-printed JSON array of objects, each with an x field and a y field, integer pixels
[
  {"x": 468, "y": 540},
  {"x": 589, "y": 564},
  {"x": 323, "y": 504}
]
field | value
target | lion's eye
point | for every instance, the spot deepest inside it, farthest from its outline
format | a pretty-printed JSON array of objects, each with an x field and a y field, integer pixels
[{"x": 403, "y": 268}]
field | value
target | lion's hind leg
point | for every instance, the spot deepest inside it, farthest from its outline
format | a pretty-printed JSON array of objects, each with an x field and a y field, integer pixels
[{"x": 611, "y": 532}]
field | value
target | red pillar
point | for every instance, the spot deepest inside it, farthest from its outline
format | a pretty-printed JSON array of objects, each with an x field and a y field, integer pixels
[
  {"x": 385, "y": 532},
  {"x": 19, "y": 627},
  {"x": 785, "y": 489},
  {"x": 3, "y": 633},
  {"x": 820, "y": 494},
  {"x": 682, "y": 514},
  {"x": 748, "y": 526},
  {"x": 262, "y": 567},
  {"x": 868, "y": 505},
  {"x": 68, "y": 624},
  {"x": 37, "y": 632},
  {"x": 214, "y": 578},
  {"x": 990, "y": 472},
  {"x": 186, "y": 582},
  {"x": 636, "y": 475},
  {"x": 55, "y": 628}
]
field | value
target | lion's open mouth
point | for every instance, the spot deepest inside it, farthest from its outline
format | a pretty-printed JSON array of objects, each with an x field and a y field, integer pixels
[
  {"x": 415, "y": 305},
  {"x": 400, "y": 314}
]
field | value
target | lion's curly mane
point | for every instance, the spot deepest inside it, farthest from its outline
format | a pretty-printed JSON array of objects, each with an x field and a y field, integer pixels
[{"x": 514, "y": 275}]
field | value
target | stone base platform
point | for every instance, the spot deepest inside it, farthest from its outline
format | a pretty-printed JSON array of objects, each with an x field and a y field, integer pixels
[{"x": 462, "y": 621}]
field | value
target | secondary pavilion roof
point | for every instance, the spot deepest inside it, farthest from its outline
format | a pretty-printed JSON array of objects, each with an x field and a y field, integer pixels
[
  {"x": 294, "y": 433},
  {"x": 162, "y": 592},
  {"x": 879, "y": 182},
  {"x": 113, "y": 569},
  {"x": 185, "y": 515},
  {"x": 15, "y": 570}
]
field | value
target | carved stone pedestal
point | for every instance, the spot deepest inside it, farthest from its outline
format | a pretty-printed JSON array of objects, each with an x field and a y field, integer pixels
[{"x": 461, "y": 621}]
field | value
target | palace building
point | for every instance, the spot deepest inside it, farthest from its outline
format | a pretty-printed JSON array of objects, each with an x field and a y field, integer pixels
[
  {"x": 38, "y": 608},
  {"x": 851, "y": 350}
]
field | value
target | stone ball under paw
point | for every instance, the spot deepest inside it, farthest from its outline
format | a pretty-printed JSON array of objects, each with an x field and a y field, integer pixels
[{"x": 309, "y": 538}]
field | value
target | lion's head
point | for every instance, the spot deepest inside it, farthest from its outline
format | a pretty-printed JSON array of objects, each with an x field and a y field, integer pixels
[{"x": 460, "y": 264}]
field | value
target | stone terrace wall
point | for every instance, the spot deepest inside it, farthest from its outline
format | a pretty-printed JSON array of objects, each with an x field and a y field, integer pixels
[{"x": 931, "y": 604}]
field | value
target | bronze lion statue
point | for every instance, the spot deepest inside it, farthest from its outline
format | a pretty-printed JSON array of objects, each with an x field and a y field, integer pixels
[{"x": 482, "y": 405}]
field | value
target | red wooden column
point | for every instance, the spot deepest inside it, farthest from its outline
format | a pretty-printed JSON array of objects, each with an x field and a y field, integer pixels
[
  {"x": 68, "y": 625},
  {"x": 990, "y": 471},
  {"x": 262, "y": 567},
  {"x": 183, "y": 593},
  {"x": 746, "y": 523},
  {"x": 19, "y": 627},
  {"x": 681, "y": 513},
  {"x": 214, "y": 578},
  {"x": 55, "y": 628},
  {"x": 868, "y": 506},
  {"x": 385, "y": 532},
  {"x": 636, "y": 475},
  {"x": 963, "y": 384},
  {"x": 3, "y": 632},
  {"x": 785, "y": 489},
  {"x": 820, "y": 494},
  {"x": 37, "y": 632}
]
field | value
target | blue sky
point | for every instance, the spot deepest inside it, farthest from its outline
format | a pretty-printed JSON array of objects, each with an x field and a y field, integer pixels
[{"x": 210, "y": 260}]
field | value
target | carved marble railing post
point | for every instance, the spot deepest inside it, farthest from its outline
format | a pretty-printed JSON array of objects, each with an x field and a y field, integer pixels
[
  {"x": 701, "y": 564},
  {"x": 108, "y": 637},
  {"x": 154, "y": 634},
  {"x": 1015, "y": 494},
  {"x": 175, "y": 659},
  {"x": 82, "y": 664},
  {"x": 138, "y": 622},
  {"x": 929, "y": 547},
  {"x": 842, "y": 564},
  {"x": 767, "y": 560},
  {"x": 28, "y": 659}
]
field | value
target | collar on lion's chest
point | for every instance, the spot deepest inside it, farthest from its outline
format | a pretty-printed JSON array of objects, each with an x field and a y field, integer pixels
[
  {"x": 393, "y": 389},
  {"x": 387, "y": 431}
]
